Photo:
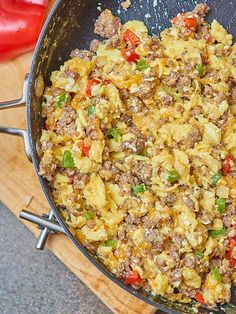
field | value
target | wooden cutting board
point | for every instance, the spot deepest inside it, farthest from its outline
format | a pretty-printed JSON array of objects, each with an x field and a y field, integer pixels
[{"x": 19, "y": 185}]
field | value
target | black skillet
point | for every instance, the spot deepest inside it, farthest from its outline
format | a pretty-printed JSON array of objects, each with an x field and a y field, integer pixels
[{"x": 70, "y": 26}]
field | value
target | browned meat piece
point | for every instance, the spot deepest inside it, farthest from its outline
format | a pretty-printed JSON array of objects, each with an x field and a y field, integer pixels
[
  {"x": 107, "y": 165},
  {"x": 107, "y": 25},
  {"x": 126, "y": 119},
  {"x": 80, "y": 180},
  {"x": 157, "y": 240},
  {"x": 46, "y": 145},
  {"x": 177, "y": 239},
  {"x": 124, "y": 94},
  {"x": 176, "y": 276},
  {"x": 160, "y": 263},
  {"x": 155, "y": 44},
  {"x": 167, "y": 100},
  {"x": 49, "y": 107},
  {"x": 132, "y": 220},
  {"x": 194, "y": 137},
  {"x": 205, "y": 217},
  {"x": 231, "y": 232},
  {"x": 47, "y": 171},
  {"x": 114, "y": 41},
  {"x": 146, "y": 89},
  {"x": 151, "y": 222},
  {"x": 208, "y": 90},
  {"x": 223, "y": 120},
  {"x": 229, "y": 217},
  {"x": 196, "y": 111},
  {"x": 92, "y": 132},
  {"x": 128, "y": 178},
  {"x": 121, "y": 233},
  {"x": 232, "y": 92},
  {"x": 189, "y": 292},
  {"x": 143, "y": 172},
  {"x": 184, "y": 83},
  {"x": 90, "y": 224},
  {"x": 174, "y": 255},
  {"x": 68, "y": 73},
  {"x": 172, "y": 79},
  {"x": 219, "y": 97},
  {"x": 83, "y": 54},
  {"x": 133, "y": 146},
  {"x": 66, "y": 123},
  {"x": 170, "y": 200},
  {"x": 180, "y": 109},
  {"x": 203, "y": 32},
  {"x": 188, "y": 202},
  {"x": 134, "y": 104},
  {"x": 189, "y": 261},
  {"x": 189, "y": 67},
  {"x": 94, "y": 45},
  {"x": 133, "y": 129},
  {"x": 201, "y": 10}
]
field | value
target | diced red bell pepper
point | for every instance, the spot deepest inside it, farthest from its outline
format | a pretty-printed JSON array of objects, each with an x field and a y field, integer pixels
[
  {"x": 190, "y": 22},
  {"x": 107, "y": 82},
  {"x": 130, "y": 55},
  {"x": 229, "y": 253},
  {"x": 90, "y": 84},
  {"x": 85, "y": 149},
  {"x": 227, "y": 165},
  {"x": 199, "y": 297},
  {"x": 20, "y": 25},
  {"x": 133, "y": 278},
  {"x": 130, "y": 36},
  {"x": 232, "y": 242},
  {"x": 47, "y": 127}
]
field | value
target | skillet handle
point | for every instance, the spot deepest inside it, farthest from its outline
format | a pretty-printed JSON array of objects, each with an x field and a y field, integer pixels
[
  {"x": 13, "y": 131},
  {"x": 17, "y": 102}
]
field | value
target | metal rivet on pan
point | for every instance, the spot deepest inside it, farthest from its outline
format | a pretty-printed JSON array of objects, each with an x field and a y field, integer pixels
[{"x": 39, "y": 86}]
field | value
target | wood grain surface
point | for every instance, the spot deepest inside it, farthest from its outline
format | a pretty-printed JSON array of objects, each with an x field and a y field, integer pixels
[{"x": 19, "y": 185}]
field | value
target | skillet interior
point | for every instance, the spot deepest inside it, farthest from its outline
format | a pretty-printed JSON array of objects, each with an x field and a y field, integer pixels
[{"x": 70, "y": 26}]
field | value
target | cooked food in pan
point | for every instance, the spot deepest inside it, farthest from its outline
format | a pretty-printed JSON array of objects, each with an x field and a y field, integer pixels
[{"x": 139, "y": 147}]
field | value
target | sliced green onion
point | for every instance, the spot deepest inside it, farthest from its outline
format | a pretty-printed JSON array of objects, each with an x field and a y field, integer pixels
[
  {"x": 142, "y": 64},
  {"x": 62, "y": 98},
  {"x": 68, "y": 160},
  {"x": 111, "y": 243},
  {"x": 91, "y": 110},
  {"x": 217, "y": 233},
  {"x": 216, "y": 274},
  {"x": 173, "y": 176},
  {"x": 113, "y": 133},
  {"x": 199, "y": 254},
  {"x": 89, "y": 215},
  {"x": 139, "y": 189},
  {"x": 220, "y": 204},
  {"x": 200, "y": 69},
  {"x": 214, "y": 179}
]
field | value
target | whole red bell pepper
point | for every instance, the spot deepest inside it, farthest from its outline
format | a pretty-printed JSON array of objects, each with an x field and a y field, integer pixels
[{"x": 20, "y": 25}]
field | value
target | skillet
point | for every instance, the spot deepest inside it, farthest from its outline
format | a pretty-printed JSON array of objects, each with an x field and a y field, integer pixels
[{"x": 70, "y": 26}]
